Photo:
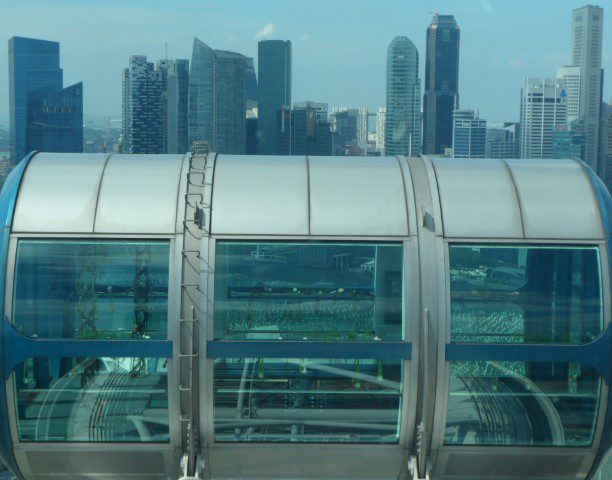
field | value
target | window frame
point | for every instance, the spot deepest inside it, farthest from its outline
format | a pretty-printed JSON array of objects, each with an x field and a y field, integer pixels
[
  {"x": 444, "y": 340},
  {"x": 171, "y": 340},
  {"x": 411, "y": 309}
]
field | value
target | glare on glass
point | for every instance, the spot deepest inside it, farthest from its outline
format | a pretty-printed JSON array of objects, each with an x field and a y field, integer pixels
[
  {"x": 522, "y": 403},
  {"x": 309, "y": 291},
  {"x": 91, "y": 289},
  {"x": 307, "y": 400},
  {"x": 92, "y": 400},
  {"x": 525, "y": 294}
]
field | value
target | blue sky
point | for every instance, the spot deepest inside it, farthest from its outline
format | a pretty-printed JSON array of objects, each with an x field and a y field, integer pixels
[{"x": 339, "y": 46}]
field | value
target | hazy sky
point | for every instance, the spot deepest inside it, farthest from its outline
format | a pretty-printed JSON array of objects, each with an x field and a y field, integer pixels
[{"x": 339, "y": 46}]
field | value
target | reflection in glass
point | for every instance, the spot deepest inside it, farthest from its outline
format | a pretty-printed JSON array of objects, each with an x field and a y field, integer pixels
[
  {"x": 521, "y": 403},
  {"x": 307, "y": 400},
  {"x": 530, "y": 294},
  {"x": 92, "y": 400},
  {"x": 314, "y": 291},
  {"x": 91, "y": 290}
]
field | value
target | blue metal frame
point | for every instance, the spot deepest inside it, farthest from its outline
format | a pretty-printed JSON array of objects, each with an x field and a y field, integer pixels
[
  {"x": 18, "y": 348},
  {"x": 303, "y": 349},
  {"x": 8, "y": 199}
]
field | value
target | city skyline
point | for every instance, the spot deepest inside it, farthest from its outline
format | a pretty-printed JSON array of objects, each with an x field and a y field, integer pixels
[{"x": 344, "y": 75}]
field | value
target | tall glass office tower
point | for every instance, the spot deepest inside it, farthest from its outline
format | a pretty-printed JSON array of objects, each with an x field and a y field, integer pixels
[
  {"x": 201, "y": 92},
  {"x": 403, "y": 117},
  {"x": 177, "y": 107},
  {"x": 587, "y": 35},
  {"x": 274, "y": 69},
  {"x": 441, "y": 83},
  {"x": 43, "y": 115},
  {"x": 217, "y": 98}
]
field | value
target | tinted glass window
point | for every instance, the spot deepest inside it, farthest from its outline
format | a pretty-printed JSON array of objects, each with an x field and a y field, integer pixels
[
  {"x": 315, "y": 291},
  {"x": 521, "y": 403},
  {"x": 307, "y": 400},
  {"x": 92, "y": 400},
  {"x": 530, "y": 294},
  {"x": 91, "y": 290}
]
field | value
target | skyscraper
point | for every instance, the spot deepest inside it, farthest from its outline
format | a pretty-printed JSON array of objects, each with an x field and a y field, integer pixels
[
  {"x": 503, "y": 141},
  {"x": 469, "y": 135},
  {"x": 217, "y": 98},
  {"x": 274, "y": 75},
  {"x": 304, "y": 130},
  {"x": 569, "y": 140},
  {"x": 201, "y": 92},
  {"x": 177, "y": 107},
  {"x": 403, "y": 117},
  {"x": 543, "y": 107},
  {"x": 587, "y": 29},
  {"x": 381, "y": 123},
  {"x": 164, "y": 66},
  {"x": 229, "y": 103},
  {"x": 251, "y": 85},
  {"x": 607, "y": 114},
  {"x": 43, "y": 115},
  {"x": 142, "y": 107},
  {"x": 571, "y": 75},
  {"x": 441, "y": 96}
]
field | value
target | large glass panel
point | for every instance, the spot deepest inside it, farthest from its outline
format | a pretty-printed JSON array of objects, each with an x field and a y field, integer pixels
[
  {"x": 307, "y": 400},
  {"x": 309, "y": 291},
  {"x": 91, "y": 289},
  {"x": 521, "y": 403},
  {"x": 92, "y": 400},
  {"x": 530, "y": 294}
]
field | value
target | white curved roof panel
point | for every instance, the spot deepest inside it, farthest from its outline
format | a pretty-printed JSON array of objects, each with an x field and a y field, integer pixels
[
  {"x": 361, "y": 196},
  {"x": 58, "y": 193},
  {"x": 264, "y": 195},
  {"x": 557, "y": 200},
  {"x": 478, "y": 198},
  {"x": 138, "y": 194}
]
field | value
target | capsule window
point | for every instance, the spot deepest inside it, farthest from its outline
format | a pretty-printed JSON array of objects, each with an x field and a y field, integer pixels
[
  {"x": 91, "y": 289},
  {"x": 525, "y": 294},
  {"x": 121, "y": 400},
  {"x": 309, "y": 291}
]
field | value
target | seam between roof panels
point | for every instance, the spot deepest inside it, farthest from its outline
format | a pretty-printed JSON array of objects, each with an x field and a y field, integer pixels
[
  {"x": 93, "y": 227},
  {"x": 518, "y": 197}
]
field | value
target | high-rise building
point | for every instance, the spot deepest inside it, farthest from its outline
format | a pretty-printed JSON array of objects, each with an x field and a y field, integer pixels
[
  {"x": 274, "y": 90},
  {"x": 42, "y": 114},
  {"x": 142, "y": 107},
  {"x": 345, "y": 126},
  {"x": 55, "y": 120},
  {"x": 164, "y": 66},
  {"x": 303, "y": 131},
  {"x": 217, "y": 98},
  {"x": 587, "y": 29},
  {"x": 569, "y": 140},
  {"x": 320, "y": 107},
  {"x": 543, "y": 107},
  {"x": 177, "y": 101},
  {"x": 381, "y": 121},
  {"x": 571, "y": 75},
  {"x": 608, "y": 145},
  {"x": 229, "y": 103},
  {"x": 200, "y": 116},
  {"x": 403, "y": 118},
  {"x": 469, "y": 135},
  {"x": 503, "y": 141},
  {"x": 251, "y": 85},
  {"x": 441, "y": 96}
]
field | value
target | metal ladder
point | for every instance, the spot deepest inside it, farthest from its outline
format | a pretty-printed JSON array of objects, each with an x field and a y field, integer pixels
[{"x": 195, "y": 235}]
